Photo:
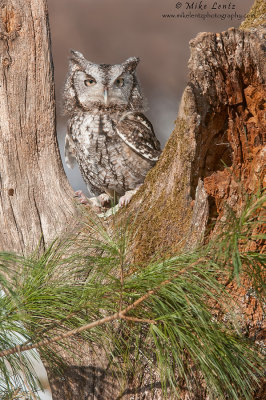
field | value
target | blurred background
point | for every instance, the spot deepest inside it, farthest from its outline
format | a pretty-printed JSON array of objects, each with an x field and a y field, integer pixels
[{"x": 109, "y": 31}]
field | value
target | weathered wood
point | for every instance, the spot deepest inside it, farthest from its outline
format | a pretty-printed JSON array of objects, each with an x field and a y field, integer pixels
[
  {"x": 219, "y": 138},
  {"x": 220, "y": 118},
  {"x": 35, "y": 198}
]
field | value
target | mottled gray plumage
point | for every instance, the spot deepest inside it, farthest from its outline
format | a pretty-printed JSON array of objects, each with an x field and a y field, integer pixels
[{"x": 108, "y": 135}]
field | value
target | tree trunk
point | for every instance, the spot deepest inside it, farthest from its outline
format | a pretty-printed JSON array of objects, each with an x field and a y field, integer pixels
[
  {"x": 220, "y": 118},
  {"x": 36, "y": 200},
  {"x": 216, "y": 153},
  {"x": 213, "y": 157}
]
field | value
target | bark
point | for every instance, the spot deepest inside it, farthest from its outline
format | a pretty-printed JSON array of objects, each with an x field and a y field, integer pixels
[
  {"x": 220, "y": 118},
  {"x": 35, "y": 197},
  {"x": 219, "y": 139},
  {"x": 214, "y": 156}
]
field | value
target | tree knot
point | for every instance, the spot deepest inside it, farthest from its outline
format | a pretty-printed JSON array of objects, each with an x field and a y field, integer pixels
[{"x": 10, "y": 23}]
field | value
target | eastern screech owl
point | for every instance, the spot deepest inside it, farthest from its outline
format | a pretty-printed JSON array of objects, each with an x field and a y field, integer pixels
[{"x": 112, "y": 141}]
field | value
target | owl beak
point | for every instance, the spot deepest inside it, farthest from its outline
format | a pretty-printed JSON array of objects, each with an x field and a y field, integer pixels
[{"x": 105, "y": 96}]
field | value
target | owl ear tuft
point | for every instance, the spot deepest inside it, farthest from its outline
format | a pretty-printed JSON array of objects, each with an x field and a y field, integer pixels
[
  {"x": 77, "y": 58},
  {"x": 131, "y": 64}
]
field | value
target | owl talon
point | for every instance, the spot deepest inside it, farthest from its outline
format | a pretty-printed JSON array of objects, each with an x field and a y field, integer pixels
[
  {"x": 125, "y": 200},
  {"x": 104, "y": 200},
  {"x": 81, "y": 197}
]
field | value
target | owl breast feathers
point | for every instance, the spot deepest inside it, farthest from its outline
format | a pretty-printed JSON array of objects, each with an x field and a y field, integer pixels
[{"x": 112, "y": 141}]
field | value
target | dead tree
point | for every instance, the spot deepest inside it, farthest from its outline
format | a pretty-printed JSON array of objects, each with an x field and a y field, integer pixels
[
  {"x": 35, "y": 196},
  {"x": 220, "y": 118}
]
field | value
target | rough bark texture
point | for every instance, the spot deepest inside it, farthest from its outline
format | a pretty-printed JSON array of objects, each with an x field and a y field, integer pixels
[
  {"x": 256, "y": 16},
  {"x": 36, "y": 200},
  {"x": 220, "y": 122},
  {"x": 218, "y": 139},
  {"x": 213, "y": 157}
]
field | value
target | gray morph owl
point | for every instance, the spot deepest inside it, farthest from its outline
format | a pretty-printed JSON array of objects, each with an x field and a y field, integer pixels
[{"x": 112, "y": 141}]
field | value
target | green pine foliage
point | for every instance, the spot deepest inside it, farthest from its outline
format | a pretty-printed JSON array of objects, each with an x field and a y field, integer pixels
[{"x": 173, "y": 319}]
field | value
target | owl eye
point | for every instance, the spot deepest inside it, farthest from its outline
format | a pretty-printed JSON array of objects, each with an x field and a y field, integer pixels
[
  {"x": 90, "y": 82},
  {"x": 119, "y": 82}
]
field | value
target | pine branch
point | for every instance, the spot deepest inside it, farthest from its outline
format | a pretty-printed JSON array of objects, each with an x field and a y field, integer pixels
[{"x": 115, "y": 316}]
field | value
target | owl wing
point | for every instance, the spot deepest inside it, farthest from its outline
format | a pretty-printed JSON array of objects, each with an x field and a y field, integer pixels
[
  {"x": 137, "y": 132},
  {"x": 70, "y": 151}
]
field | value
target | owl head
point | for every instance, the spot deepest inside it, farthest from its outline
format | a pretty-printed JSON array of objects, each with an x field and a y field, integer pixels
[{"x": 91, "y": 86}]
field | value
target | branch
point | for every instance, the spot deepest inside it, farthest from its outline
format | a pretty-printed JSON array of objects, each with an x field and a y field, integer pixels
[{"x": 113, "y": 317}]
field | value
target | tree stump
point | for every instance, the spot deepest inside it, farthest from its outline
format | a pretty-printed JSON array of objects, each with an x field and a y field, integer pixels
[{"x": 214, "y": 155}]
